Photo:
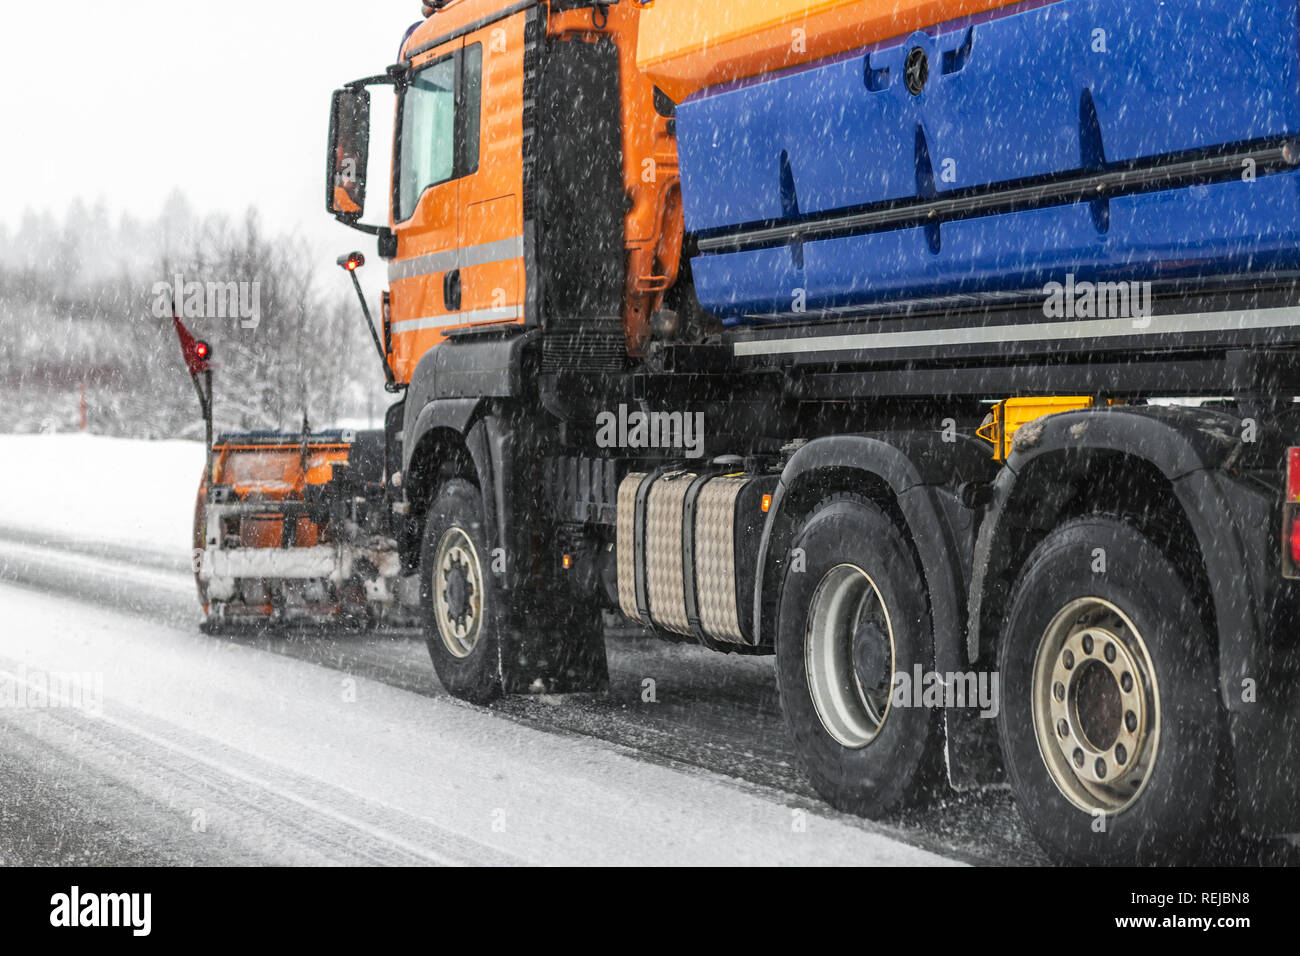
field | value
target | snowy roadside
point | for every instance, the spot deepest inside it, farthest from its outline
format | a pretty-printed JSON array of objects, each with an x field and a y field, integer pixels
[{"x": 94, "y": 490}]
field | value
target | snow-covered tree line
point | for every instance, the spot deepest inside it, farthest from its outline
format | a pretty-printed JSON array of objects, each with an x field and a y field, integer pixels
[{"x": 82, "y": 311}]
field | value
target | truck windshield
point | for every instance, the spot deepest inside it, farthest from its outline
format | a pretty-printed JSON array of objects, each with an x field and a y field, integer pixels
[
  {"x": 428, "y": 146},
  {"x": 437, "y": 144}
]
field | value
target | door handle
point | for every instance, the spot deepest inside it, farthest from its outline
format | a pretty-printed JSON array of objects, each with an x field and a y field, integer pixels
[{"x": 451, "y": 290}]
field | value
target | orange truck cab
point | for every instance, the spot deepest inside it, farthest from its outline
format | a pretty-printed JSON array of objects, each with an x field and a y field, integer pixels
[{"x": 534, "y": 181}]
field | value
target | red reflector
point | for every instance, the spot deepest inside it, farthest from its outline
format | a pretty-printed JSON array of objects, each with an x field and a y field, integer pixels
[
  {"x": 1295, "y": 543},
  {"x": 1293, "y": 474}
]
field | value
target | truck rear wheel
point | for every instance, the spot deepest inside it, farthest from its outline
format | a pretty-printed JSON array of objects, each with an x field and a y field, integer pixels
[
  {"x": 1110, "y": 727},
  {"x": 459, "y": 595},
  {"x": 853, "y": 617}
]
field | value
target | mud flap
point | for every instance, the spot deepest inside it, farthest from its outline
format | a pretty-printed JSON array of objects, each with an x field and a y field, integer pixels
[
  {"x": 562, "y": 653},
  {"x": 1266, "y": 747}
]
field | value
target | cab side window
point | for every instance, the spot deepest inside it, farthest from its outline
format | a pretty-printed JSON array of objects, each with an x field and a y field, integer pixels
[
  {"x": 471, "y": 96},
  {"x": 439, "y": 137}
]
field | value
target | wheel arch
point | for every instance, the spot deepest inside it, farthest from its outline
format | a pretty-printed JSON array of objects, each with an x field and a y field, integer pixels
[
  {"x": 901, "y": 473},
  {"x": 459, "y": 403},
  {"x": 459, "y": 438},
  {"x": 436, "y": 446},
  {"x": 1159, "y": 467}
]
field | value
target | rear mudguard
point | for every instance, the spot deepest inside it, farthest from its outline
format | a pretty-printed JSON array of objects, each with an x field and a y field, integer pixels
[
  {"x": 921, "y": 473},
  {"x": 1235, "y": 523}
]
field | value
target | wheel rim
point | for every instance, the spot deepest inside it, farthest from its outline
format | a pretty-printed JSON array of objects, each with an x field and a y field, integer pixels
[
  {"x": 1096, "y": 706},
  {"x": 849, "y": 656},
  {"x": 458, "y": 593}
]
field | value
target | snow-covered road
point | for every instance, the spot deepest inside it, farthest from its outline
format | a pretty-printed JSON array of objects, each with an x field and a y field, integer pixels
[
  {"x": 265, "y": 758},
  {"x": 322, "y": 746}
]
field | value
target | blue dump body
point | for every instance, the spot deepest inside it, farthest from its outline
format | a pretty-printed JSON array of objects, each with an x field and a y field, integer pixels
[{"x": 1022, "y": 96}]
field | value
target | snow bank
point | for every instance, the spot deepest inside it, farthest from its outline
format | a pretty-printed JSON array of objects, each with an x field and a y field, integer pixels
[{"x": 95, "y": 490}]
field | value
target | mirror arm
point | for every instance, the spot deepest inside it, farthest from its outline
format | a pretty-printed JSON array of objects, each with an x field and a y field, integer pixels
[
  {"x": 395, "y": 75},
  {"x": 386, "y": 238}
]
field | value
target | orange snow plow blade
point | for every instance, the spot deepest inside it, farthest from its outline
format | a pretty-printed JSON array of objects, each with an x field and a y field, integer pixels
[
  {"x": 295, "y": 528},
  {"x": 276, "y": 472}
]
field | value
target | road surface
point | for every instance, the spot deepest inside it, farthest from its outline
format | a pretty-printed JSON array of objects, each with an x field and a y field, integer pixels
[{"x": 331, "y": 747}]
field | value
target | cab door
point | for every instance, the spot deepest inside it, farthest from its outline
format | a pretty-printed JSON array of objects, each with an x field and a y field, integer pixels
[
  {"x": 491, "y": 224},
  {"x": 428, "y": 167}
]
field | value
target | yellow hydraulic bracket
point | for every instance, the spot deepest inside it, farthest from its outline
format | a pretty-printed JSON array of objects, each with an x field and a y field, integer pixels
[{"x": 1012, "y": 414}]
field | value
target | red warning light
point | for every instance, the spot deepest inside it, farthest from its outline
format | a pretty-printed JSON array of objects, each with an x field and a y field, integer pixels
[{"x": 195, "y": 352}]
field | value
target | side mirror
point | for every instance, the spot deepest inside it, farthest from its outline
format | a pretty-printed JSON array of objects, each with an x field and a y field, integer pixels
[{"x": 349, "y": 154}]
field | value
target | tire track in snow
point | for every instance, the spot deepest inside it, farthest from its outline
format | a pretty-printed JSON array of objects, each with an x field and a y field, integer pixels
[
  {"x": 242, "y": 796},
  {"x": 716, "y": 717}
]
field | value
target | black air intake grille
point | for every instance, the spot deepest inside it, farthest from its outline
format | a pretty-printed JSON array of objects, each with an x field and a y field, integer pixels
[{"x": 595, "y": 346}]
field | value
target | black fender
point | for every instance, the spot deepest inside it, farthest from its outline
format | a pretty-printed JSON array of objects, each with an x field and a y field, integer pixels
[
  {"x": 453, "y": 379},
  {"x": 922, "y": 472},
  {"x": 456, "y": 389},
  {"x": 915, "y": 466},
  {"x": 448, "y": 414},
  {"x": 489, "y": 362},
  {"x": 1231, "y": 520}
]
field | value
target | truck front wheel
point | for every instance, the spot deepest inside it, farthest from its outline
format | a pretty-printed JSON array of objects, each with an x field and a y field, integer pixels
[
  {"x": 486, "y": 641},
  {"x": 459, "y": 596},
  {"x": 853, "y": 614},
  {"x": 1110, "y": 727}
]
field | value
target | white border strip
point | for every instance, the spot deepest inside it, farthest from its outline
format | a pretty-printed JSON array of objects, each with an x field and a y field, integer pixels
[
  {"x": 502, "y": 250},
  {"x": 458, "y": 320},
  {"x": 1232, "y": 321}
]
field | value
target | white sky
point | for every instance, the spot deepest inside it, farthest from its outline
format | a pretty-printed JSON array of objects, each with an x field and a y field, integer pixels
[{"x": 228, "y": 101}]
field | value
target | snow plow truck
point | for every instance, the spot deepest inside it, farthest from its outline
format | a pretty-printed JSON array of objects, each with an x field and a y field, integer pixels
[{"x": 930, "y": 346}]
